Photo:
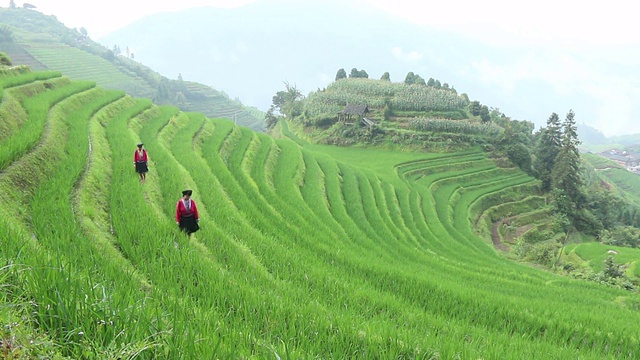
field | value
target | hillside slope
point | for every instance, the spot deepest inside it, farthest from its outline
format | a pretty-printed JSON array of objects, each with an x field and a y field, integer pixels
[
  {"x": 41, "y": 42},
  {"x": 305, "y": 251}
]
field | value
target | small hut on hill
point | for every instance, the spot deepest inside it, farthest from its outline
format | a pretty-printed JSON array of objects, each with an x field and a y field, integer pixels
[{"x": 352, "y": 113}]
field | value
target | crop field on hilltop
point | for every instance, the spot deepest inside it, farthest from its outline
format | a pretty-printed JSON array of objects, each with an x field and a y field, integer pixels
[{"x": 305, "y": 251}]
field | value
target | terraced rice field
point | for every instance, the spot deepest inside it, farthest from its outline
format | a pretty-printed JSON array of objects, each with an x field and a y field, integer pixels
[
  {"x": 79, "y": 64},
  {"x": 305, "y": 251}
]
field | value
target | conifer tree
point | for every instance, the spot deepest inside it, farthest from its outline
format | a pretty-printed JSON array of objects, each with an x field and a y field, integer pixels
[
  {"x": 341, "y": 74},
  {"x": 419, "y": 80},
  {"x": 410, "y": 78},
  {"x": 547, "y": 150},
  {"x": 565, "y": 176}
]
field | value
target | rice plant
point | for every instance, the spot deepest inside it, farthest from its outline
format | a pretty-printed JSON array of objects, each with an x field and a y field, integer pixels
[{"x": 305, "y": 251}]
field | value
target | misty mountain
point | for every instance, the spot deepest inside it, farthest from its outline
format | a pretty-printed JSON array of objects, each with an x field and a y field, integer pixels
[
  {"x": 249, "y": 52},
  {"x": 591, "y": 136}
]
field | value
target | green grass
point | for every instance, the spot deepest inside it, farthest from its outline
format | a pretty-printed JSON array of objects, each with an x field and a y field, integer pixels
[
  {"x": 305, "y": 251},
  {"x": 37, "y": 108},
  {"x": 600, "y": 162},
  {"x": 82, "y": 65},
  {"x": 596, "y": 253}
]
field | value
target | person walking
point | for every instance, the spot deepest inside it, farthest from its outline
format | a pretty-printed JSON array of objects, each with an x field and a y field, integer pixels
[
  {"x": 140, "y": 159},
  {"x": 187, "y": 213}
]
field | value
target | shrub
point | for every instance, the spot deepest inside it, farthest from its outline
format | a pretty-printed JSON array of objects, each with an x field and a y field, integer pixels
[
  {"x": 325, "y": 121},
  {"x": 520, "y": 155},
  {"x": 5, "y": 59}
]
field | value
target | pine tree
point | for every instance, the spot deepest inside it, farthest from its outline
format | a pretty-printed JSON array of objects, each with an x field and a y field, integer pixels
[
  {"x": 547, "y": 150},
  {"x": 410, "y": 78},
  {"x": 565, "y": 176}
]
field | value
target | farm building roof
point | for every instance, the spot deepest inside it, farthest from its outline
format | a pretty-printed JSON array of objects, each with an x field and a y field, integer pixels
[{"x": 351, "y": 109}]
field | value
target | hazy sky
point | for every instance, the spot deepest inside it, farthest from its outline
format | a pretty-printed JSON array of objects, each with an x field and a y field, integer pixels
[
  {"x": 555, "y": 22},
  {"x": 596, "y": 39}
]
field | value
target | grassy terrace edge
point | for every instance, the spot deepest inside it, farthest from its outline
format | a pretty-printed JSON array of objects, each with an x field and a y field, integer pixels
[{"x": 305, "y": 250}]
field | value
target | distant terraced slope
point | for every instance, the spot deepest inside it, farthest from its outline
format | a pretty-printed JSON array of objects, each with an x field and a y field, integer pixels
[
  {"x": 42, "y": 43},
  {"x": 305, "y": 251}
]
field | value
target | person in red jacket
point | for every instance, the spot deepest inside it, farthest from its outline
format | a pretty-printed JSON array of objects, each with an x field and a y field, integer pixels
[
  {"x": 140, "y": 159},
  {"x": 187, "y": 213}
]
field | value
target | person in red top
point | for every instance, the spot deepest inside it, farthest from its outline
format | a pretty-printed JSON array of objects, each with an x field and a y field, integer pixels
[
  {"x": 140, "y": 159},
  {"x": 187, "y": 213}
]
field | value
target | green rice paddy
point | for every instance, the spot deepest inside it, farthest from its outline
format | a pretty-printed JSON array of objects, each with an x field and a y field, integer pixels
[{"x": 305, "y": 251}]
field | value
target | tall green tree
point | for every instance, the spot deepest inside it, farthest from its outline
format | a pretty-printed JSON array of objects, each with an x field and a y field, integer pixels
[
  {"x": 386, "y": 76},
  {"x": 565, "y": 176},
  {"x": 341, "y": 74},
  {"x": 485, "y": 116},
  {"x": 287, "y": 102},
  {"x": 431, "y": 82},
  {"x": 270, "y": 119},
  {"x": 355, "y": 73},
  {"x": 419, "y": 80},
  {"x": 474, "y": 107},
  {"x": 12, "y": 4},
  {"x": 547, "y": 149},
  {"x": 410, "y": 78}
]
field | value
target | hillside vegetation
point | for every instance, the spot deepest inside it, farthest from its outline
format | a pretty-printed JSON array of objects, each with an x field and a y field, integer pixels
[
  {"x": 306, "y": 251},
  {"x": 355, "y": 110},
  {"x": 42, "y": 42}
]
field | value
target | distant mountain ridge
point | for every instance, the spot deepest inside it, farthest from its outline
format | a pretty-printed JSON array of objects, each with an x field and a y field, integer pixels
[
  {"x": 42, "y": 42},
  {"x": 251, "y": 50}
]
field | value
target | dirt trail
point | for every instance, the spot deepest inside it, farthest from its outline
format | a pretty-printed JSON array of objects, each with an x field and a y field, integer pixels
[{"x": 495, "y": 236}]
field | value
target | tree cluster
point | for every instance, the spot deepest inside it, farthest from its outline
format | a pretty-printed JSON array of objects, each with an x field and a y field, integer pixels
[
  {"x": 287, "y": 102},
  {"x": 355, "y": 73},
  {"x": 558, "y": 168},
  {"x": 627, "y": 236},
  {"x": 477, "y": 109}
]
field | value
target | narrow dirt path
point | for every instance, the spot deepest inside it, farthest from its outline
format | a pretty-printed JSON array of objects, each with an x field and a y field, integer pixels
[{"x": 495, "y": 236}]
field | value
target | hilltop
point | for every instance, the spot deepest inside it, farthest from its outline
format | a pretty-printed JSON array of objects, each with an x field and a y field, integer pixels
[
  {"x": 42, "y": 42},
  {"x": 426, "y": 115},
  {"x": 251, "y": 49}
]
